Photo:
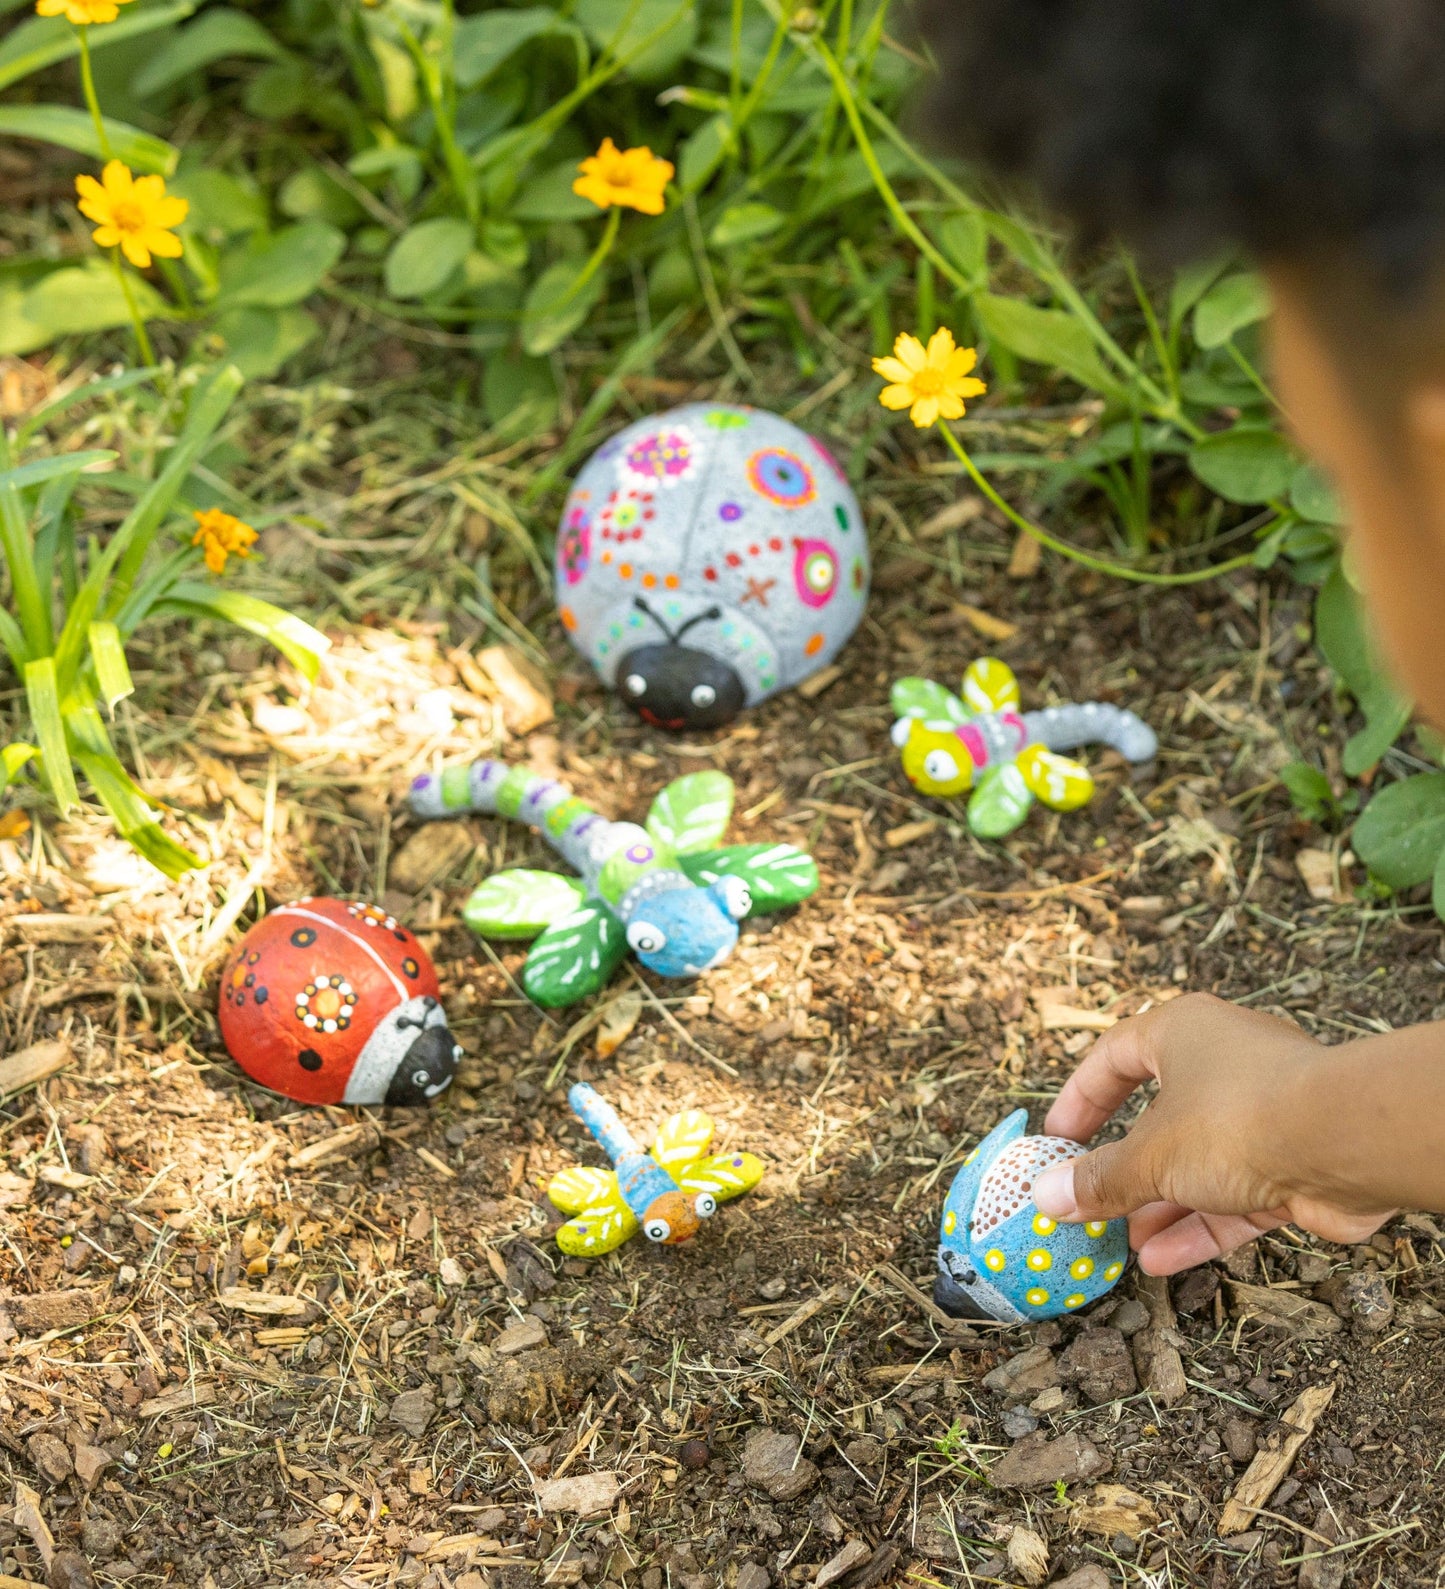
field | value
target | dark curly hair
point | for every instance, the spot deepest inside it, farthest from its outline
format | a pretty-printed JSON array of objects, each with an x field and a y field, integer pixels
[{"x": 1290, "y": 127}]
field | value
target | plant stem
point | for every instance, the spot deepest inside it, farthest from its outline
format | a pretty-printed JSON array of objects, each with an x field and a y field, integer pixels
[
  {"x": 1077, "y": 554},
  {"x": 142, "y": 337},
  {"x": 92, "y": 99},
  {"x": 599, "y": 255}
]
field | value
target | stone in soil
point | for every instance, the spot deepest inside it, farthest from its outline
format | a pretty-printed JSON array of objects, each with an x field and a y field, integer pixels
[
  {"x": 771, "y": 1460},
  {"x": 1241, "y": 1438},
  {"x": 1364, "y": 1299},
  {"x": 1018, "y": 1422},
  {"x": 90, "y": 1462},
  {"x": 1194, "y": 1290},
  {"x": 1090, "y": 1577},
  {"x": 878, "y": 1569},
  {"x": 102, "y": 1536},
  {"x": 1099, "y": 1363},
  {"x": 1129, "y": 1317},
  {"x": 586, "y": 1494},
  {"x": 1023, "y": 1375},
  {"x": 517, "y": 1389},
  {"x": 1036, "y": 1462},
  {"x": 865, "y": 1452},
  {"x": 1028, "y": 1555},
  {"x": 852, "y": 1555},
  {"x": 51, "y": 1457},
  {"x": 414, "y": 1410},
  {"x": 521, "y": 1337},
  {"x": 752, "y": 1576}
]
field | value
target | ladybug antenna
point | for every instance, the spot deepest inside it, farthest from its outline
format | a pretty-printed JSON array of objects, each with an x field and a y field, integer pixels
[
  {"x": 403, "y": 1021},
  {"x": 697, "y": 618},
  {"x": 657, "y": 618}
]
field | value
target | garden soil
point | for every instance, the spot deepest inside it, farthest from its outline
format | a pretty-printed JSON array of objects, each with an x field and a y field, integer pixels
[{"x": 243, "y": 1342}]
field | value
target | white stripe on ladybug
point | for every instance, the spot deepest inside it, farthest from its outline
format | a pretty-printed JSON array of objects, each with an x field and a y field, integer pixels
[{"x": 361, "y": 943}]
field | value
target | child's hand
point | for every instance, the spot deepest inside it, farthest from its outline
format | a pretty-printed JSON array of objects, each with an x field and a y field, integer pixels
[{"x": 1254, "y": 1126}]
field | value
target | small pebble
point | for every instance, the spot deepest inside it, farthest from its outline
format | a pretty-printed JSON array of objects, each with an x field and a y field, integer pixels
[
  {"x": 695, "y": 1454},
  {"x": 1018, "y": 1422},
  {"x": 1130, "y": 1316},
  {"x": 771, "y": 1290}
]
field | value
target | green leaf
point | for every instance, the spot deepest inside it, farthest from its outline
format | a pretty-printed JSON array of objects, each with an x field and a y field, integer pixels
[
  {"x": 14, "y": 758},
  {"x": 42, "y": 469},
  {"x": 693, "y": 812},
  {"x": 72, "y": 301},
  {"x": 549, "y": 197},
  {"x": 521, "y": 903},
  {"x": 214, "y": 36},
  {"x": 930, "y": 702},
  {"x": 1309, "y": 790},
  {"x": 1343, "y": 637},
  {"x": 1313, "y": 497},
  {"x": 296, "y": 640},
  {"x": 557, "y": 304},
  {"x": 221, "y": 206},
  {"x": 281, "y": 269},
  {"x": 778, "y": 875},
  {"x": 702, "y": 153},
  {"x": 426, "y": 255},
  {"x": 1190, "y": 285},
  {"x": 313, "y": 194},
  {"x": 1045, "y": 336},
  {"x": 42, "y": 41},
  {"x": 964, "y": 238},
  {"x": 69, "y": 128},
  {"x": 575, "y": 957},
  {"x": 1401, "y": 834},
  {"x": 650, "y": 37},
  {"x": 1000, "y": 802},
  {"x": 111, "y": 670},
  {"x": 745, "y": 223},
  {"x": 1228, "y": 307},
  {"x": 259, "y": 341},
  {"x": 1437, "y": 891},
  {"x": 1247, "y": 464},
  {"x": 133, "y": 817},
  {"x": 518, "y": 391},
  {"x": 481, "y": 44},
  {"x": 42, "y": 695}
]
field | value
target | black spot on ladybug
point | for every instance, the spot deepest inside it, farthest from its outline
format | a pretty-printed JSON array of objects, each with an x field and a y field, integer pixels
[
  {"x": 399, "y": 935},
  {"x": 261, "y": 995},
  {"x": 309, "y": 1059},
  {"x": 240, "y": 997},
  {"x": 304, "y": 937},
  {"x": 412, "y": 969},
  {"x": 250, "y": 979},
  {"x": 253, "y": 957}
]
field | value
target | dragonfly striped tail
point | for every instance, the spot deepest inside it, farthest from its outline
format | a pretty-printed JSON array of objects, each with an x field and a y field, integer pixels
[
  {"x": 1061, "y": 728},
  {"x": 603, "y": 1121}
]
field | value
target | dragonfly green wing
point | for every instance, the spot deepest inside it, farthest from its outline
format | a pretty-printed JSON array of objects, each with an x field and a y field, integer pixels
[
  {"x": 521, "y": 903},
  {"x": 1000, "y": 802},
  {"x": 599, "y": 1228},
  {"x": 682, "y": 1140},
  {"x": 693, "y": 812},
  {"x": 575, "y": 957},
  {"x": 777, "y": 875},
  {"x": 927, "y": 701},
  {"x": 725, "y": 1175}
]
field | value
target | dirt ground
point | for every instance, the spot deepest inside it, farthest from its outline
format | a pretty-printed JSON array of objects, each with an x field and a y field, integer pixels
[{"x": 243, "y": 1342}]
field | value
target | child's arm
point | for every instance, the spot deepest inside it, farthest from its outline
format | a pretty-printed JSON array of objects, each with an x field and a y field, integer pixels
[{"x": 1255, "y": 1125}]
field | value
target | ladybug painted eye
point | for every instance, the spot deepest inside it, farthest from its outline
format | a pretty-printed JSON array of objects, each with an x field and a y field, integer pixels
[
  {"x": 706, "y": 1205},
  {"x": 419, "y": 1078},
  {"x": 703, "y": 695},
  {"x": 657, "y": 1230},
  {"x": 635, "y": 684},
  {"x": 645, "y": 939},
  {"x": 940, "y": 767}
]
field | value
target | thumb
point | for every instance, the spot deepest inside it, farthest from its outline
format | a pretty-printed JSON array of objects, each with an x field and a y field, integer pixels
[{"x": 1109, "y": 1182}]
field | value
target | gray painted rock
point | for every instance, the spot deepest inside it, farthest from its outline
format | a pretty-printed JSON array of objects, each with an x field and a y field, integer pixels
[{"x": 707, "y": 558}]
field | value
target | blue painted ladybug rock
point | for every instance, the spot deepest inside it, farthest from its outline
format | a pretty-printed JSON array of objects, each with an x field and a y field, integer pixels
[
  {"x": 708, "y": 558},
  {"x": 999, "y": 1257}
]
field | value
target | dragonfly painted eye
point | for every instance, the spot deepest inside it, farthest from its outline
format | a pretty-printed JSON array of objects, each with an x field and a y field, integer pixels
[
  {"x": 645, "y": 939},
  {"x": 657, "y": 1230},
  {"x": 703, "y": 696},
  {"x": 635, "y": 684},
  {"x": 940, "y": 767},
  {"x": 737, "y": 897},
  {"x": 706, "y": 1205}
]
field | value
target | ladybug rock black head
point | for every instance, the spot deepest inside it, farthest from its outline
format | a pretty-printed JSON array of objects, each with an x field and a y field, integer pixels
[
  {"x": 671, "y": 685},
  {"x": 330, "y": 1002}
]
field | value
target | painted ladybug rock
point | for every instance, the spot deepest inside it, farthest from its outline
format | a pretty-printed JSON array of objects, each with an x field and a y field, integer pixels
[
  {"x": 330, "y": 1002},
  {"x": 708, "y": 558}
]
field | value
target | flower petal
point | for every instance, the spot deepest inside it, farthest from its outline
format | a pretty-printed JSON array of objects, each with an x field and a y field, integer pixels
[
  {"x": 170, "y": 211},
  {"x": 950, "y": 405},
  {"x": 161, "y": 242},
  {"x": 941, "y": 346},
  {"x": 105, "y": 236},
  {"x": 969, "y": 387},
  {"x": 133, "y": 246},
  {"x": 908, "y": 350},
  {"x": 924, "y": 412},
  {"x": 960, "y": 362},
  {"x": 892, "y": 370},
  {"x": 896, "y": 396}
]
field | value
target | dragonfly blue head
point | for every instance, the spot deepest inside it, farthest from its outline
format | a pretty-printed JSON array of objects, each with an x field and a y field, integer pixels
[{"x": 687, "y": 931}]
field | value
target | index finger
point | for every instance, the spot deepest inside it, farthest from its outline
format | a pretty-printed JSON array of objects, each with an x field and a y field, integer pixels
[{"x": 1121, "y": 1059}]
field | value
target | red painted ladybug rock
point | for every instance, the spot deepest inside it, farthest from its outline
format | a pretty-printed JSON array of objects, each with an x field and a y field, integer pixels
[{"x": 329, "y": 1002}]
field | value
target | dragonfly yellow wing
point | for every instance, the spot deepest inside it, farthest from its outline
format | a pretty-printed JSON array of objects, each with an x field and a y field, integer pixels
[
  {"x": 683, "y": 1140},
  {"x": 1058, "y": 781},
  {"x": 581, "y": 1187},
  {"x": 990, "y": 686},
  {"x": 600, "y": 1227},
  {"x": 725, "y": 1175}
]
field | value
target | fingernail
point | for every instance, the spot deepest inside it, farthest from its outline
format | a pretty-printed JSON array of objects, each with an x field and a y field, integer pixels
[{"x": 1054, "y": 1193}]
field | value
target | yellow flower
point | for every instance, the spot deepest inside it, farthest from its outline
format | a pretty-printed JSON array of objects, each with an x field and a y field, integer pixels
[
  {"x": 931, "y": 382},
  {"x": 633, "y": 178},
  {"x": 132, "y": 211},
  {"x": 81, "y": 12},
  {"x": 223, "y": 536}
]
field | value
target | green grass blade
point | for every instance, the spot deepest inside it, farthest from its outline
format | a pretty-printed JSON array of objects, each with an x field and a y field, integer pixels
[
  {"x": 42, "y": 469},
  {"x": 13, "y": 641},
  {"x": 13, "y": 759},
  {"x": 133, "y": 818},
  {"x": 42, "y": 41},
  {"x": 112, "y": 672},
  {"x": 69, "y": 128},
  {"x": 44, "y": 700},
  {"x": 51, "y": 521},
  {"x": 296, "y": 640}
]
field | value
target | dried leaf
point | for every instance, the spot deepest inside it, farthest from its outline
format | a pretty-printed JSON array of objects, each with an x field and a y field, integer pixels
[{"x": 618, "y": 1019}]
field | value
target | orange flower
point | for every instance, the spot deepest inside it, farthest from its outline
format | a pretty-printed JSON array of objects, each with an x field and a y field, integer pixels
[
  {"x": 134, "y": 212},
  {"x": 81, "y": 12},
  {"x": 633, "y": 178},
  {"x": 223, "y": 535},
  {"x": 931, "y": 382}
]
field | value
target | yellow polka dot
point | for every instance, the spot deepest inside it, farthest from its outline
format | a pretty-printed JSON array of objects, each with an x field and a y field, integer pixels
[
  {"x": 994, "y": 1259},
  {"x": 1113, "y": 1271},
  {"x": 1039, "y": 1260},
  {"x": 1037, "y": 1297},
  {"x": 1075, "y": 1301},
  {"x": 1044, "y": 1226},
  {"x": 950, "y": 1222},
  {"x": 1096, "y": 1228},
  {"x": 1081, "y": 1268}
]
